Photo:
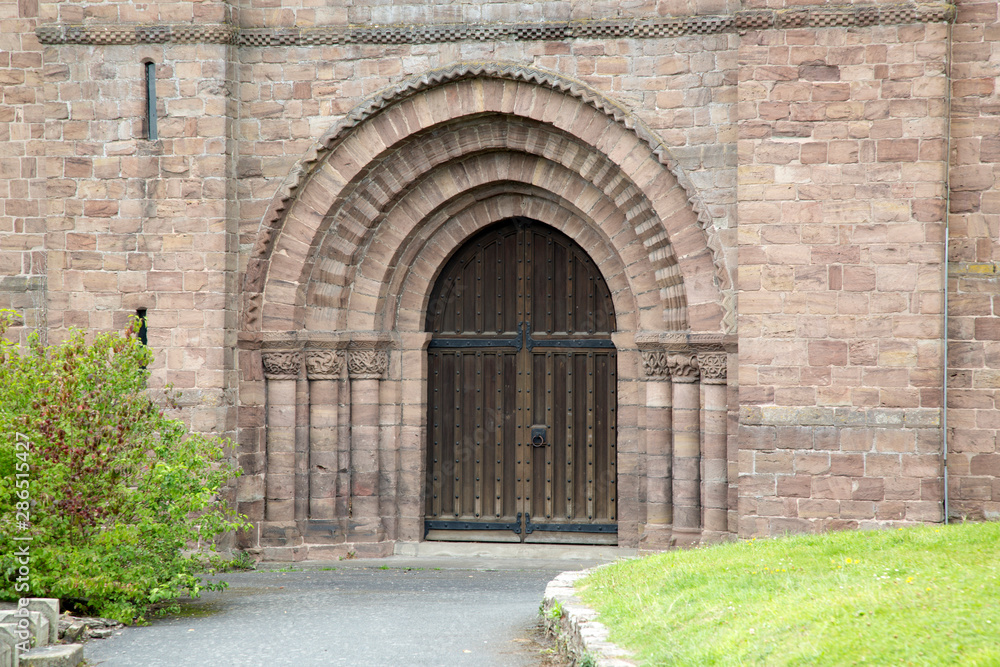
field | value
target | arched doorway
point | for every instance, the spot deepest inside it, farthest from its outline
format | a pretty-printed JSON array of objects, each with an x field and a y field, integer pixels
[
  {"x": 339, "y": 284},
  {"x": 521, "y": 430}
]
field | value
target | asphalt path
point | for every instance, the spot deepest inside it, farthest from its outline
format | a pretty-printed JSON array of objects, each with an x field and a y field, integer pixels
[{"x": 357, "y": 615}]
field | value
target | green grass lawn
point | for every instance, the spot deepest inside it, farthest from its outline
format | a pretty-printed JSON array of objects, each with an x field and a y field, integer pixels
[{"x": 914, "y": 596}]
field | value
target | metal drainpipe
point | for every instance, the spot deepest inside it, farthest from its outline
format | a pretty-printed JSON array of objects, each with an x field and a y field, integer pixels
[{"x": 947, "y": 220}]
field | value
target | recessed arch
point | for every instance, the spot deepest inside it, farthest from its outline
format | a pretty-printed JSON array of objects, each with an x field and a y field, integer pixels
[
  {"x": 498, "y": 173},
  {"x": 406, "y": 290},
  {"x": 343, "y": 163}
]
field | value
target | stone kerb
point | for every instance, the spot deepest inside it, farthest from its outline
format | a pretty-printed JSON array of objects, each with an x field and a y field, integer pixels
[
  {"x": 575, "y": 627},
  {"x": 290, "y": 210}
]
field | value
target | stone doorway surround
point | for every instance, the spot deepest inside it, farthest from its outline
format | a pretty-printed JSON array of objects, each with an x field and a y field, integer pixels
[{"x": 332, "y": 421}]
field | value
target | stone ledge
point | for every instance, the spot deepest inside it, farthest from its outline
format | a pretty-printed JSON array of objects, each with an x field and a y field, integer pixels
[
  {"x": 575, "y": 625},
  {"x": 777, "y": 415},
  {"x": 819, "y": 16}
]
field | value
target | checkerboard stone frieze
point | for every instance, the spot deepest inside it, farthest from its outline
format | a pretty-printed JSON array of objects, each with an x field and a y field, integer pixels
[{"x": 810, "y": 16}]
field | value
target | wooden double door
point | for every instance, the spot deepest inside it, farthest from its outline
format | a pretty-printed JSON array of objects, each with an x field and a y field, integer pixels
[{"x": 521, "y": 392}]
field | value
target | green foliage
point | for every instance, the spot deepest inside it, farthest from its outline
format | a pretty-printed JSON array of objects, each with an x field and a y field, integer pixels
[
  {"x": 119, "y": 494},
  {"x": 241, "y": 560},
  {"x": 915, "y": 596}
]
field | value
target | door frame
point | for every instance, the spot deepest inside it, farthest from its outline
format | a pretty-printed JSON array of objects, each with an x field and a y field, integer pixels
[{"x": 569, "y": 342}]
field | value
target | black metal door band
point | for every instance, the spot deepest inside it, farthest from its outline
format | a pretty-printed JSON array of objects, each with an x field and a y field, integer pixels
[
  {"x": 515, "y": 526},
  {"x": 569, "y": 527},
  {"x": 434, "y": 524},
  {"x": 516, "y": 343}
]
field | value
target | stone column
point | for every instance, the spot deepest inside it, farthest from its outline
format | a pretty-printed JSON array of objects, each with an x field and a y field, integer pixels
[
  {"x": 687, "y": 448},
  {"x": 366, "y": 366},
  {"x": 281, "y": 369},
  {"x": 659, "y": 505},
  {"x": 714, "y": 463},
  {"x": 323, "y": 367},
  {"x": 301, "y": 449}
]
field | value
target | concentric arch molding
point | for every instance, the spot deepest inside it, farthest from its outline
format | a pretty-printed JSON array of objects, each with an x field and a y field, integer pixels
[
  {"x": 510, "y": 71},
  {"x": 299, "y": 174}
]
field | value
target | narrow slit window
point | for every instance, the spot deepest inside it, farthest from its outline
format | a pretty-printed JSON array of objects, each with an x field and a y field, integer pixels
[
  {"x": 141, "y": 314},
  {"x": 151, "y": 101}
]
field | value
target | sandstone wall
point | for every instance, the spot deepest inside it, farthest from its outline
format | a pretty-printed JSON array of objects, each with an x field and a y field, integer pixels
[
  {"x": 22, "y": 227},
  {"x": 134, "y": 223},
  {"x": 827, "y": 144},
  {"x": 288, "y": 13},
  {"x": 974, "y": 271},
  {"x": 841, "y": 189}
]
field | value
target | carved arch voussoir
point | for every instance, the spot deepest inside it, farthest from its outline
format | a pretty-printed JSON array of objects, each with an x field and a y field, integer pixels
[
  {"x": 302, "y": 170},
  {"x": 457, "y": 72}
]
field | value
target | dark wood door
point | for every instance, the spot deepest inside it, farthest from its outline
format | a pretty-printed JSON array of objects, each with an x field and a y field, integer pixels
[{"x": 521, "y": 392}]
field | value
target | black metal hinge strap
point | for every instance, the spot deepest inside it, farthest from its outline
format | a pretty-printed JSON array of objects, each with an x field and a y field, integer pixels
[
  {"x": 574, "y": 342},
  {"x": 431, "y": 524}
]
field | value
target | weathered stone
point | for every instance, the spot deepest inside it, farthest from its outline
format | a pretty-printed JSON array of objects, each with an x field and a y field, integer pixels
[{"x": 59, "y": 655}]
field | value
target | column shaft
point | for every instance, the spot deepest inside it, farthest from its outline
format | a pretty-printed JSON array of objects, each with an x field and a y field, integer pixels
[
  {"x": 280, "y": 370},
  {"x": 324, "y": 410},
  {"x": 280, "y": 502},
  {"x": 687, "y": 449},
  {"x": 365, "y": 524},
  {"x": 324, "y": 370},
  {"x": 715, "y": 482},
  {"x": 659, "y": 454},
  {"x": 301, "y": 450},
  {"x": 388, "y": 465},
  {"x": 687, "y": 458}
]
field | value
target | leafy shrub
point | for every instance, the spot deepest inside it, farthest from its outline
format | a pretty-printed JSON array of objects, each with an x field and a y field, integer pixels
[{"x": 118, "y": 493}]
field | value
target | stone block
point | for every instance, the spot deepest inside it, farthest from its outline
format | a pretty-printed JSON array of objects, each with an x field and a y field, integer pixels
[
  {"x": 59, "y": 655},
  {"x": 49, "y": 608},
  {"x": 10, "y": 638},
  {"x": 37, "y": 623}
]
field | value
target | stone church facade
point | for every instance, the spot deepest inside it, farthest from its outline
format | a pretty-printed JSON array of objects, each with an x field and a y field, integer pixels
[{"x": 786, "y": 211}]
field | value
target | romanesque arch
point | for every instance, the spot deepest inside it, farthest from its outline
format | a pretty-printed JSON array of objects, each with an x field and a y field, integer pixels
[{"x": 340, "y": 277}]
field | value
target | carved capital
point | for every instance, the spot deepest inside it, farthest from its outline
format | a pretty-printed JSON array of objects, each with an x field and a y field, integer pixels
[
  {"x": 713, "y": 367},
  {"x": 367, "y": 363},
  {"x": 281, "y": 365},
  {"x": 324, "y": 364},
  {"x": 683, "y": 367},
  {"x": 654, "y": 364}
]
